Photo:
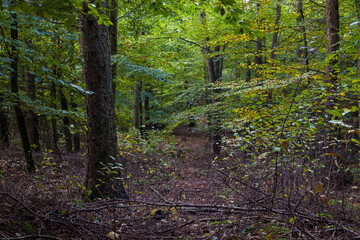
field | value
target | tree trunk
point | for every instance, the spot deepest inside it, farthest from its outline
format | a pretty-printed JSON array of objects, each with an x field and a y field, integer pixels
[
  {"x": 137, "y": 106},
  {"x": 302, "y": 51},
  {"x": 258, "y": 49},
  {"x": 275, "y": 40},
  {"x": 113, "y": 36},
  {"x": 358, "y": 6},
  {"x": 66, "y": 121},
  {"x": 103, "y": 178},
  {"x": 147, "y": 107},
  {"x": 76, "y": 135},
  {"x": 4, "y": 125},
  {"x": 31, "y": 117},
  {"x": 214, "y": 65},
  {"x": 332, "y": 32},
  {"x": 29, "y": 161},
  {"x": 55, "y": 136}
]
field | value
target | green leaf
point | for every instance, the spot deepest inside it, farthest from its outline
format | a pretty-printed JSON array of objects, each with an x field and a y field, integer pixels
[
  {"x": 276, "y": 149},
  {"x": 334, "y": 113},
  {"x": 341, "y": 123},
  {"x": 355, "y": 141}
]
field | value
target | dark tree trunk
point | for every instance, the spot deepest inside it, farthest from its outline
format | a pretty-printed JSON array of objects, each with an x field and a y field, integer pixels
[
  {"x": 31, "y": 117},
  {"x": 147, "y": 107},
  {"x": 29, "y": 161},
  {"x": 113, "y": 36},
  {"x": 55, "y": 136},
  {"x": 76, "y": 135},
  {"x": 137, "y": 106},
  {"x": 332, "y": 32},
  {"x": 103, "y": 178},
  {"x": 358, "y": 6},
  {"x": 113, "y": 51},
  {"x": 214, "y": 63},
  {"x": 66, "y": 121},
  {"x": 258, "y": 49},
  {"x": 302, "y": 51},
  {"x": 4, "y": 125},
  {"x": 275, "y": 40}
]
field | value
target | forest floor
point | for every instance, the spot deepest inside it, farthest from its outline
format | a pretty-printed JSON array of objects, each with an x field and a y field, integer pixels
[{"x": 177, "y": 190}]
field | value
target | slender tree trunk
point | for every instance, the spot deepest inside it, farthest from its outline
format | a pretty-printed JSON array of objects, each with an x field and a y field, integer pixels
[
  {"x": 4, "y": 125},
  {"x": 29, "y": 161},
  {"x": 31, "y": 117},
  {"x": 137, "y": 106},
  {"x": 113, "y": 51},
  {"x": 76, "y": 135},
  {"x": 358, "y": 7},
  {"x": 275, "y": 40},
  {"x": 302, "y": 51},
  {"x": 147, "y": 107},
  {"x": 113, "y": 36},
  {"x": 55, "y": 136},
  {"x": 248, "y": 68},
  {"x": 332, "y": 32},
  {"x": 66, "y": 121},
  {"x": 258, "y": 49},
  {"x": 214, "y": 65},
  {"x": 103, "y": 178}
]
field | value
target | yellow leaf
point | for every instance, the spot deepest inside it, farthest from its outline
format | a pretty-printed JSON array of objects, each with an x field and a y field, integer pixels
[
  {"x": 332, "y": 154},
  {"x": 284, "y": 144},
  {"x": 319, "y": 187},
  {"x": 113, "y": 235}
]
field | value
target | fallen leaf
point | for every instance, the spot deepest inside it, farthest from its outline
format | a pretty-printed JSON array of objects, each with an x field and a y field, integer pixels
[
  {"x": 324, "y": 199},
  {"x": 319, "y": 187}
]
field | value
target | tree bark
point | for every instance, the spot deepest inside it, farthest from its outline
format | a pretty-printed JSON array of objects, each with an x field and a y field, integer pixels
[
  {"x": 4, "y": 125},
  {"x": 137, "y": 106},
  {"x": 358, "y": 6},
  {"x": 113, "y": 36},
  {"x": 147, "y": 107},
  {"x": 332, "y": 32},
  {"x": 275, "y": 41},
  {"x": 258, "y": 49},
  {"x": 31, "y": 117},
  {"x": 66, "y": 121},
  {"x": 302, "y": 51},
  {"x": 103, "y": 178},
  {"x": 275, "y": 38},
  {"x": 29, "y": 161},
  {"x": 55, "y": 136},
  {"x": 76, "y": 135},
  {"x": 214, "y": 65}
]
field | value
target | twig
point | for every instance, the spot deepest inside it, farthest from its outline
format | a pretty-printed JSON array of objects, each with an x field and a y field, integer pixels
[
  {"x": 22, "y": 204},
  {"x": 32, "y": 237},
  {"x": 177, "y": 227},
  {"x": 159, "y": 195},
  {"x": 132, "y": 10}
]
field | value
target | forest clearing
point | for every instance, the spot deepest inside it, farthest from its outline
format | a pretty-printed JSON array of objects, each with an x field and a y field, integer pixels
[{"x": 188, "y": 119}]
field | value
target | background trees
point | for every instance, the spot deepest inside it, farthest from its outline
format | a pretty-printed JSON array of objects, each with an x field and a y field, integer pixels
[{"x": 280, "y": 78}]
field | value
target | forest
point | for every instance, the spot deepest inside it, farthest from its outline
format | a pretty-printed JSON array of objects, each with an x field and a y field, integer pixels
[{"x": 179, "y": 119}]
